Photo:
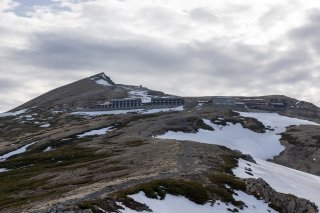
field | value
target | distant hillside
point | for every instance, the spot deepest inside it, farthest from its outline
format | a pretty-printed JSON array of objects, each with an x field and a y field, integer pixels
[{"x": 83, "y": 92}]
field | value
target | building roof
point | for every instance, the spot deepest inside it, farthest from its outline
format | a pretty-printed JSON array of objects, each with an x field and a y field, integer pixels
[
  {"x": 223, "y": 97},
  {"x": 126, "y": 99}
]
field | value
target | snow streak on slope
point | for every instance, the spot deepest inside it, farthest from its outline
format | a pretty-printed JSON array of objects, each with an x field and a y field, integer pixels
[
  {"x": 3, "y": 170},
  {"x": 258, "y": 145},
  {"x": 16, "y": 152},
  {"x": 282, "y": 179},
  {"x": 276, "y": 121},
  {"x": 175, "y": 204},
  {"x": 118, "y": 112},
  {"x": 96, "y": 132},
  {"x": 48, "y": 149},
  {"x": 45, "y": 125},
  {"x": 103, "y": 82},
  {"x": 142, "y": 94},
  {"x": 7, "y": 114},
  {"x": 102, "y": 79}
]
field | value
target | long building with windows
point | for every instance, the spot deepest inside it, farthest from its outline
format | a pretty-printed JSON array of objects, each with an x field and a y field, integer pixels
[{"x": 136, "y": 103}]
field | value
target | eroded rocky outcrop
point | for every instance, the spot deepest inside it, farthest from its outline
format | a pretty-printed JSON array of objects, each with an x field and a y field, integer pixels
[{"x": 284, "y": 203}]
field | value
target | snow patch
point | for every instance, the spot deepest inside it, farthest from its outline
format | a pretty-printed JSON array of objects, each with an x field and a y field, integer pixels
[
  {"x": 16, "y": 152},
  {"x": 258, "y": 145},
  {"x": 103, "y": 82},
  {"x": 174, "y": 204},
  {"x": 48, "y": 149},
  {"x": 282, "y": 179},
  {"x": 46, "y": 125},
  {"x": 142, "y": 94},
  {"x": 3, "y": 170},
  {"x": 118, "y": 112},
  {"x": 102, "y": 79},
  {"x": 276, "y": 121},
  {"x": 7, "y": 114},
  {"x": 96, "y": 132}
]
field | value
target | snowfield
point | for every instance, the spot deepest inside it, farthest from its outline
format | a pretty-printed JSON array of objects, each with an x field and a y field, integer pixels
[
  {"x": 258, "y": 145},
  {"x": 118, "y": 112},
  {"x": 177, "y": 204},
  {"x": 276, "y": 121},
  {"x": 282, "y": 179},
  {"x": 16, "y": 152}
]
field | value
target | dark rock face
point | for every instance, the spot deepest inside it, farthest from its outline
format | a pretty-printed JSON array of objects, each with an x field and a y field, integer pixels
[{"x": 284, "y": 203}]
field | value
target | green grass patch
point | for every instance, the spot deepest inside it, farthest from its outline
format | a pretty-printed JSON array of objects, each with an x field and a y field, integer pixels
[{"x": 24, "y": 168}]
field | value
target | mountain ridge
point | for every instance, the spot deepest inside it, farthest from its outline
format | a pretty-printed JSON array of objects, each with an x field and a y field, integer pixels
[{"x": 62, "y": 161}]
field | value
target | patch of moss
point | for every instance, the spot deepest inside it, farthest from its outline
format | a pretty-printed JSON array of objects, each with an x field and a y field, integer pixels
[
  {"x": 290, "y": 139},
  {"x": 221, "y": 179},
  {"x": 230, "y": 162},
  {"x": 24, "y": 168},
  {"x": 225, "y": 193},
  {"x": 67, "y": 155},
  {"x": 192, "y": 190},
  {"x": 135, "y": 143},
  {"x": 198, "y": 123},
  {"x": 275, "y": 207}
]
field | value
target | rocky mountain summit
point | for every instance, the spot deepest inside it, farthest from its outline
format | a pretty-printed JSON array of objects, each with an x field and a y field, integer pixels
[{"x": 68, "y": 151}]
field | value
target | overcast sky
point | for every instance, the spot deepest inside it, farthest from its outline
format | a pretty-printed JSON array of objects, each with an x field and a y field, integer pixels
[{"x": 182, "y": 47}]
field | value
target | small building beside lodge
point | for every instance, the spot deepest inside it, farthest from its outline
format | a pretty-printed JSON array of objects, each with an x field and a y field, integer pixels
[
  {"x": 239, "y": 103},
  {"x": 223, "y": 101},
  {"x": 136, "y": 103}
]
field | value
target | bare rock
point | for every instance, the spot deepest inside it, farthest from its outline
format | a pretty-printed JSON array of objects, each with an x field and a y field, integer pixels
[{"x": 284, "y": 203}]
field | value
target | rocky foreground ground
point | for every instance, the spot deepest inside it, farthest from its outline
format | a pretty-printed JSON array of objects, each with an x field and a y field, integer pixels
[{"x": 80, "y": 174}]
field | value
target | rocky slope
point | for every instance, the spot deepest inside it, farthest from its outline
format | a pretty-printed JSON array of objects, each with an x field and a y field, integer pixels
[{"x": 302, "y": 149}]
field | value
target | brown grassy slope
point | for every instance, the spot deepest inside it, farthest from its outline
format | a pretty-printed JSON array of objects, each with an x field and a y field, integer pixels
[{"x": 80, "y": 93}]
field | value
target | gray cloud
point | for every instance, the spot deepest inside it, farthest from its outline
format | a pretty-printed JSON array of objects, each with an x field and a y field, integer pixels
[
  {"x": 7, "y": 85},
  {"x": 203, "y": 15},
  {"x": 213, "y": 66},
  {"x": 309, "y": 34},
  {"x": 216, "y": 62}
]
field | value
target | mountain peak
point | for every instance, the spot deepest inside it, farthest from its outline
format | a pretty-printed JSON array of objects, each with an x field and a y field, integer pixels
[{"x": 103, "y": 79}]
